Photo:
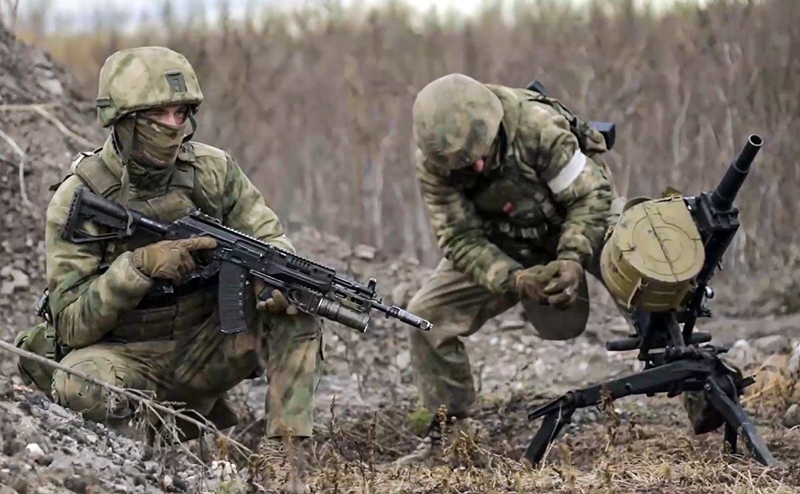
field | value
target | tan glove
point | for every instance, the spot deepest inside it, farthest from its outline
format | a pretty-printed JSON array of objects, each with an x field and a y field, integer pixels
[
  {"x": 170, "y": 259},
  {"x": 555, "y": 283},
  {"x": 276, "y": 304}
]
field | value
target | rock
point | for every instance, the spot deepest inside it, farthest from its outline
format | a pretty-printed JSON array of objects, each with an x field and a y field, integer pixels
[
  {"x": 366, "y": 252},
  {"x": 52, "y": 86},
  {"x": 34, "y": 451},
  {"x": 793, "y": 367},
  {"x": 44, "y": 460},
  {"x": 179, "y": 485},
  {"x": 742, "y": 354},
  {"x": 792, "y": 417},
  {"x": 511, "y": 325},
  {"x": 15, "y": 279},
  {"x": 76, "y": 484},
  {"x": 773, "y": 344},
  {"x": 223, "y": 470},
  {"x": 6, "y": 389},
  {"x": 619, "y": 327},
  {"x": 403, "y": 359}
]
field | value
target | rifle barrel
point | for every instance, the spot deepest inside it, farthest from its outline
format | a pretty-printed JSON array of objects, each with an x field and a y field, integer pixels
[{"x": 725, "y": 193}]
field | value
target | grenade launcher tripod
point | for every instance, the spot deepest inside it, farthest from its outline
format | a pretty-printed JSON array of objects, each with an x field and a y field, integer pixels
[{"x": 678, "y": 363}]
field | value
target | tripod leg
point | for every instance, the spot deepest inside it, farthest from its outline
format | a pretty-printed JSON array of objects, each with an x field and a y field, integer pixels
[
  {"x": 731, "y": 436},
  {"x": 736, "y": 420},
  {"x": 552, "y": 424}
]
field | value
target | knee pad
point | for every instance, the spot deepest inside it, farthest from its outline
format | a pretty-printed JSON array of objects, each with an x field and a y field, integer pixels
[
  {"x": 92, "y": 401},
  {"x": 33, "y": 340}
]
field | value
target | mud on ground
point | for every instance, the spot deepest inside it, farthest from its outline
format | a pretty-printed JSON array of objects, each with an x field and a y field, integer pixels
[{"x": 368, "y": 413}]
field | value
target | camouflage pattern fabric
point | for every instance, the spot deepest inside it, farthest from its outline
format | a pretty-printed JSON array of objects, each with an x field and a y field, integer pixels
[
  {"x": 455, "y": 121},
  {"x": 145, "y": 77},
  {"x": 548, "y": 185},
  {"x": 175, "y": 351},
  {"x": 539, "y": 196},
  {"x": 458, "y": 307}
]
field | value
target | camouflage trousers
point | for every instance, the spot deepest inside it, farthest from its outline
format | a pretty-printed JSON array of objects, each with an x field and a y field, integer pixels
[
  {"x": 194, "y": 363},
  {"x": 458, "y": 308}
]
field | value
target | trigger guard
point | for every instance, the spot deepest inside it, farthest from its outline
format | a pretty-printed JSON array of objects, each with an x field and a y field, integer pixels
[{"x": 304, "y": 306}]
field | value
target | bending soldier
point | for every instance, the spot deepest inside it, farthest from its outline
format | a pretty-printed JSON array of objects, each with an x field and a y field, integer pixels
[
  {"x": 108, "y": 319},
  {"x": 520, "y": 200}
]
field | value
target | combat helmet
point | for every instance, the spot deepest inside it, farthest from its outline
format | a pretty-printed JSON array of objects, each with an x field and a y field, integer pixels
[
  {"x": 455, "y": 120},
  {"x": 145, "y": 77}
]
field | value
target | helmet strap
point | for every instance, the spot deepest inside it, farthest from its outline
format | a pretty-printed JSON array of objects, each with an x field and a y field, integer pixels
[{"x": 193, "y": 122}]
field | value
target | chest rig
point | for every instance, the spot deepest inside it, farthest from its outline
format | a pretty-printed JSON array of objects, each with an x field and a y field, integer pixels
[
  {"x": 519, "y": 211},
  {"x": 164, "y": 308},
  {"x": 514, "y": 209}
]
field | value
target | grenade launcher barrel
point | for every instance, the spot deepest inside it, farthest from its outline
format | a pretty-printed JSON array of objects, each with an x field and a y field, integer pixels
[{"x": 725, "y": 193}]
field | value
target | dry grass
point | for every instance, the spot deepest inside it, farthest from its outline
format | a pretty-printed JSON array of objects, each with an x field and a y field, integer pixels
[
  {"x": 316, "y": 104},
  {"x": 650, "y": 451}
]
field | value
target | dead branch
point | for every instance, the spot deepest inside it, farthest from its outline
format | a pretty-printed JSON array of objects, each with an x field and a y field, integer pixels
[
  {"x": 29, "y": 106},
  {"x": 13, "y": 164},
  {"x": 20, "y": 166},
  {"x": 126, "y": 393},
  {"x": 60, "y": 126},
  {"x": 40, "y": 109}
]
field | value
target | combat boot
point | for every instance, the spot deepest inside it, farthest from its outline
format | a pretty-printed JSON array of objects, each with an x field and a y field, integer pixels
[
  {"x": 282, "y": 471},
  {"x": 430, "y": 446},
  {"x": 703, "y": 417},
  {"x": 459, "y": 436}
]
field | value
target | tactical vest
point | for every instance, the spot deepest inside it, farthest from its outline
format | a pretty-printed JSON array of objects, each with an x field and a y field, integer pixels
[
  {"x": 162, "y": 310},
  {"x": 520, "y": 213}
]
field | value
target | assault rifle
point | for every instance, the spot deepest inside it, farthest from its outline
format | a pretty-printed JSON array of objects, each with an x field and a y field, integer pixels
[
  {"x": 311, "y": 287},
  {"x": 681, "y": 364}
]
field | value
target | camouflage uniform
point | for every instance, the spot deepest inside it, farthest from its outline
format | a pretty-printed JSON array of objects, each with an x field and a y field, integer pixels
[
  {"x": 536, "y": 213},
  {"x": 108, "y": 325},
  {"x": 544, "y": 195}
]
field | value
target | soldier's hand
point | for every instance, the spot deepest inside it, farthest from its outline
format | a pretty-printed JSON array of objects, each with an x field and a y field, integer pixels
[
  {"x": 555, "y": 283},
  {"x": 170, "y": 259},
  {"x": 530, "y": 282},
  {"x": 276, "y": 303}
]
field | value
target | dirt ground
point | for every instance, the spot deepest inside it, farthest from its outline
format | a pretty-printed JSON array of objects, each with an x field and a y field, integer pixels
[{"x": 368, "y": 412}]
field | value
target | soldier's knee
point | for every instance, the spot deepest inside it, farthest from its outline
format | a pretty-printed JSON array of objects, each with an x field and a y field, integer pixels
[{"x": 94, "y": 402}]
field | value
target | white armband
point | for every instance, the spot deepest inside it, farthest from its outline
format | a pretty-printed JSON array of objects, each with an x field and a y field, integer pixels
[{"x": 569, "y": 173}]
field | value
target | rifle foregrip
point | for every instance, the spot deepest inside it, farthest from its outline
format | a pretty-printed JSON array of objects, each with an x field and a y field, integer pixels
[{"x": 231, "y": 297}]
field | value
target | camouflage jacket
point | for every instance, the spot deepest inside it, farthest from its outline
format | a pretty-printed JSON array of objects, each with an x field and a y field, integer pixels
[
  {"x": 86, "y": 303},
  {"x": 541, "y": 196}
]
